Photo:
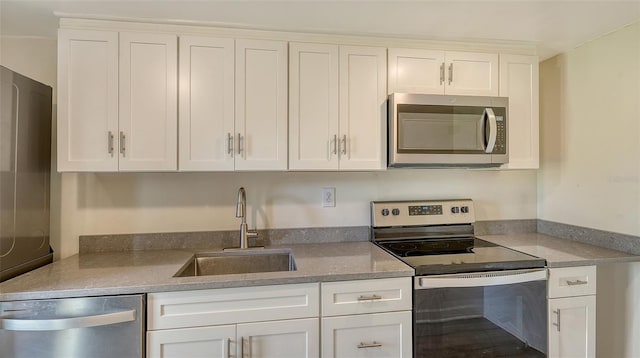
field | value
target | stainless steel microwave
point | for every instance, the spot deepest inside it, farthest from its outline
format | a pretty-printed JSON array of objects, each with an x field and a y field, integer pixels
[{"x": 441, "y": 131}]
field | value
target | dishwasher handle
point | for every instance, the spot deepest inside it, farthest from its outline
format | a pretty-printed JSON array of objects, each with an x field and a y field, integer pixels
[
  {"x": 58, "y": 324},
  {"x": 480, "y": 279}
]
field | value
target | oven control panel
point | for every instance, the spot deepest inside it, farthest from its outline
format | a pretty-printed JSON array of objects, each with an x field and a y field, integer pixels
[{"x": 425, "y": 212}]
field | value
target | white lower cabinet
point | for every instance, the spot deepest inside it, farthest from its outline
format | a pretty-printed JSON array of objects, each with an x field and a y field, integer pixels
[
  {"x": 362, "y": 318},
  {"x": 572, "y": 332},
  {"x": 279, "y": 339},
  {"x": 367, "y": 318},
  {"x": 368, "y": 335},
  {"x": 263, "y": 321},
  {"x": 276, "y": 339},
  {"x": 214, "y": 342},
  {"x": 572, "y": 312}
]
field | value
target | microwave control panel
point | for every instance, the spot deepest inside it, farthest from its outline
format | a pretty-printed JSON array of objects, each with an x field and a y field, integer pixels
[{"x": 501, "y": 136}]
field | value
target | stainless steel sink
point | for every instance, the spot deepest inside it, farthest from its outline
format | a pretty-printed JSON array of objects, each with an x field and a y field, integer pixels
[{"x": 235, "y": 262}]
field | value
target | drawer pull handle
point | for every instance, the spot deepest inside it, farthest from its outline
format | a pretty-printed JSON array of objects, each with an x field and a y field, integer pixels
[
  {"x": 369, "y": 298},
  {"x": 373, "y": 344},
  {"x": 576, "y": 282}
]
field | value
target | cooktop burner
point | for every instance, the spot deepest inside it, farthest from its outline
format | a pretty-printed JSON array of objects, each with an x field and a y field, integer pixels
[
  {"x": 429, "y": 247},
  {"x": 437, "y": 237},
  {"x": 480, "y": 256}
]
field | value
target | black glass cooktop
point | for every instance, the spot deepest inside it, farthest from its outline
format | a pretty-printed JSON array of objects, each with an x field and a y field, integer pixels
[{"x": 458, "y": 255}]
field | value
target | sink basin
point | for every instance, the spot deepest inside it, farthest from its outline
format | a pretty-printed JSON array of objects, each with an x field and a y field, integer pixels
[{"x": 235, "y": 262}]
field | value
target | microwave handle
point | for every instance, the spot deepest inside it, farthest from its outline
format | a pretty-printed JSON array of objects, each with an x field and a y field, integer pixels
[{"x": 493, "y": 129}]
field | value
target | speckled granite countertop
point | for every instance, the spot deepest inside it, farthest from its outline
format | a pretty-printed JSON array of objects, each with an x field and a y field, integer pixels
[
  {"x": 560, "y": 252},
  {"x": 152, "y": 271}
]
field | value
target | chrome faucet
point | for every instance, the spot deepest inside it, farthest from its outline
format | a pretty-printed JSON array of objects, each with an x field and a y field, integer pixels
[{"x": 241, "y": 212}]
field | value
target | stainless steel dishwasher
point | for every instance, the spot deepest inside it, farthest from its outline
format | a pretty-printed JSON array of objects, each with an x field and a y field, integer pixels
[{"x": 111, "y": 326}]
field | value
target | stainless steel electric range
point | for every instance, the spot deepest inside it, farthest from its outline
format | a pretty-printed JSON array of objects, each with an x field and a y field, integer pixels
[{"x": 471, "y": 298}]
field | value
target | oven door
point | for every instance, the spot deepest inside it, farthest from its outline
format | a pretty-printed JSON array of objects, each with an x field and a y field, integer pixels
[{"x": 486, "y": 314}]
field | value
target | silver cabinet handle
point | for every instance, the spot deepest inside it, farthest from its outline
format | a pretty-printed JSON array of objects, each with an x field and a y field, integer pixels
[
  {"x": 122, "y": 143},
  {"x": 343, "y": 145},
  {"x": 373, "y": 344},
  {"x": 226, "y": 347},
  {"x": 335, "y": 144},
  {"x": 369, "y": 298},
  {"x": 332, "y": 148},
  {"x": 241, "y": 347},
  {"x": 240, "y": 143},
  {"x": 493, "y": 129},
  {"x": 450, "y": 73},
  {"x": 58, "y": 324},
  {"x": 557, "y": 313},
  {"x": 576, "y": 282},
  {"x": 110, "y": 142},
  {"x": 442, "y": 73},
  {"x": 230, "y": 144}
]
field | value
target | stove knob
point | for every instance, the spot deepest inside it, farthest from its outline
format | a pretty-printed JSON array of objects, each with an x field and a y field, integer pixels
[
  {"x": 395, "y": 211},
  {"x": 464, "y": 209},
  {"x": 455, "y": 210},
  {"x": 385, "y": 212}
]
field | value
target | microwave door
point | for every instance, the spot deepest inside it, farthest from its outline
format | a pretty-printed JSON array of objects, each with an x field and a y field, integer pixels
[{"x": 443, "y": 135}]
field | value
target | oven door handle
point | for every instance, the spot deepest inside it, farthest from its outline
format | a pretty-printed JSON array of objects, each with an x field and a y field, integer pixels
[{"x": 480, "y": 279}]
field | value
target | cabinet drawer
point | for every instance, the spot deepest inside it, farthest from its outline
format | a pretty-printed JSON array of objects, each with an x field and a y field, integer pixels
[
  {"x": 231, "y": 305},
  {"x": 572, "y": 281},
  {"x": 369, "y": 335},
  {"x": 366, "y": 296}
]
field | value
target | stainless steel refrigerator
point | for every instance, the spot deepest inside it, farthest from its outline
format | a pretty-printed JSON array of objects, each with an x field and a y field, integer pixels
[{"x": 25, "y": 162}]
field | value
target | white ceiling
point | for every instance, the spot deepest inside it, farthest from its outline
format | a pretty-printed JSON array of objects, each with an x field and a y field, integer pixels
[{"x": 555, "y": 26}]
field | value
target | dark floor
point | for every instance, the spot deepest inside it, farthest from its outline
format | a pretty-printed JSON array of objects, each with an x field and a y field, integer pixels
[{"x": 475, "y": 337}]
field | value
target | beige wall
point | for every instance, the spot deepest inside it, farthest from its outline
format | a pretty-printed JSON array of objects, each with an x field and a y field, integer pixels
[
  {"x": 590, "y": 135},
  {"x": 590, "y": 165},
  {"x": 122, "y": 203}
]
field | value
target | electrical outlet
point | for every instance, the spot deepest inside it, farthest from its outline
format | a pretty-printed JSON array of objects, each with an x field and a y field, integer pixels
[{"x": 328, "y": 197}]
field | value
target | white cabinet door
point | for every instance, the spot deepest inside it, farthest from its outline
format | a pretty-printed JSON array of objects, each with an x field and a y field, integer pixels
[
  {"x": 572, "y": 327},
  {"x": 363, "y": 108},
  {"x": 369, "y": 335},
  {"x": 416, "y": 71},
  {"x": 87, "y": 100},
  {"x": 148, "y": 102},
  {"x": 191, "y": 342},
  {"x": 471, "y": 73},
  {"x": 519, "y": 82},
  {"x": 261, "y": 105},
  {"x": 206, "y": 99},
  {"x": 279, "y": 339},
  {"x": 313, "y": 106}
]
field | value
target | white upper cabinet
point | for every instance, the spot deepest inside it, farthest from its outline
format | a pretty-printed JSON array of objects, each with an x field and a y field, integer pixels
[
  {"x": 470, "y": 73},
  {"x": 118, "y": 101},
  {"x": 261, "y": 105},
  {"x": 416, "y": 71},
  {"x": 206, "y": 99},
  {"x": 337, "y": 109},
  {"x": 440, "y": 72},
  {"x": 519, "y": 82},
  {"x": 87, "y": 100},
  {"x": 148, "y": 102},
  {"x": 363, "y": 108},
  {"x": 313, "y": 106}
]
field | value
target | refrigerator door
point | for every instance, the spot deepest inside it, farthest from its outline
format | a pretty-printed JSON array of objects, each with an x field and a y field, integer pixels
[{"x": 25, "y": 161}]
